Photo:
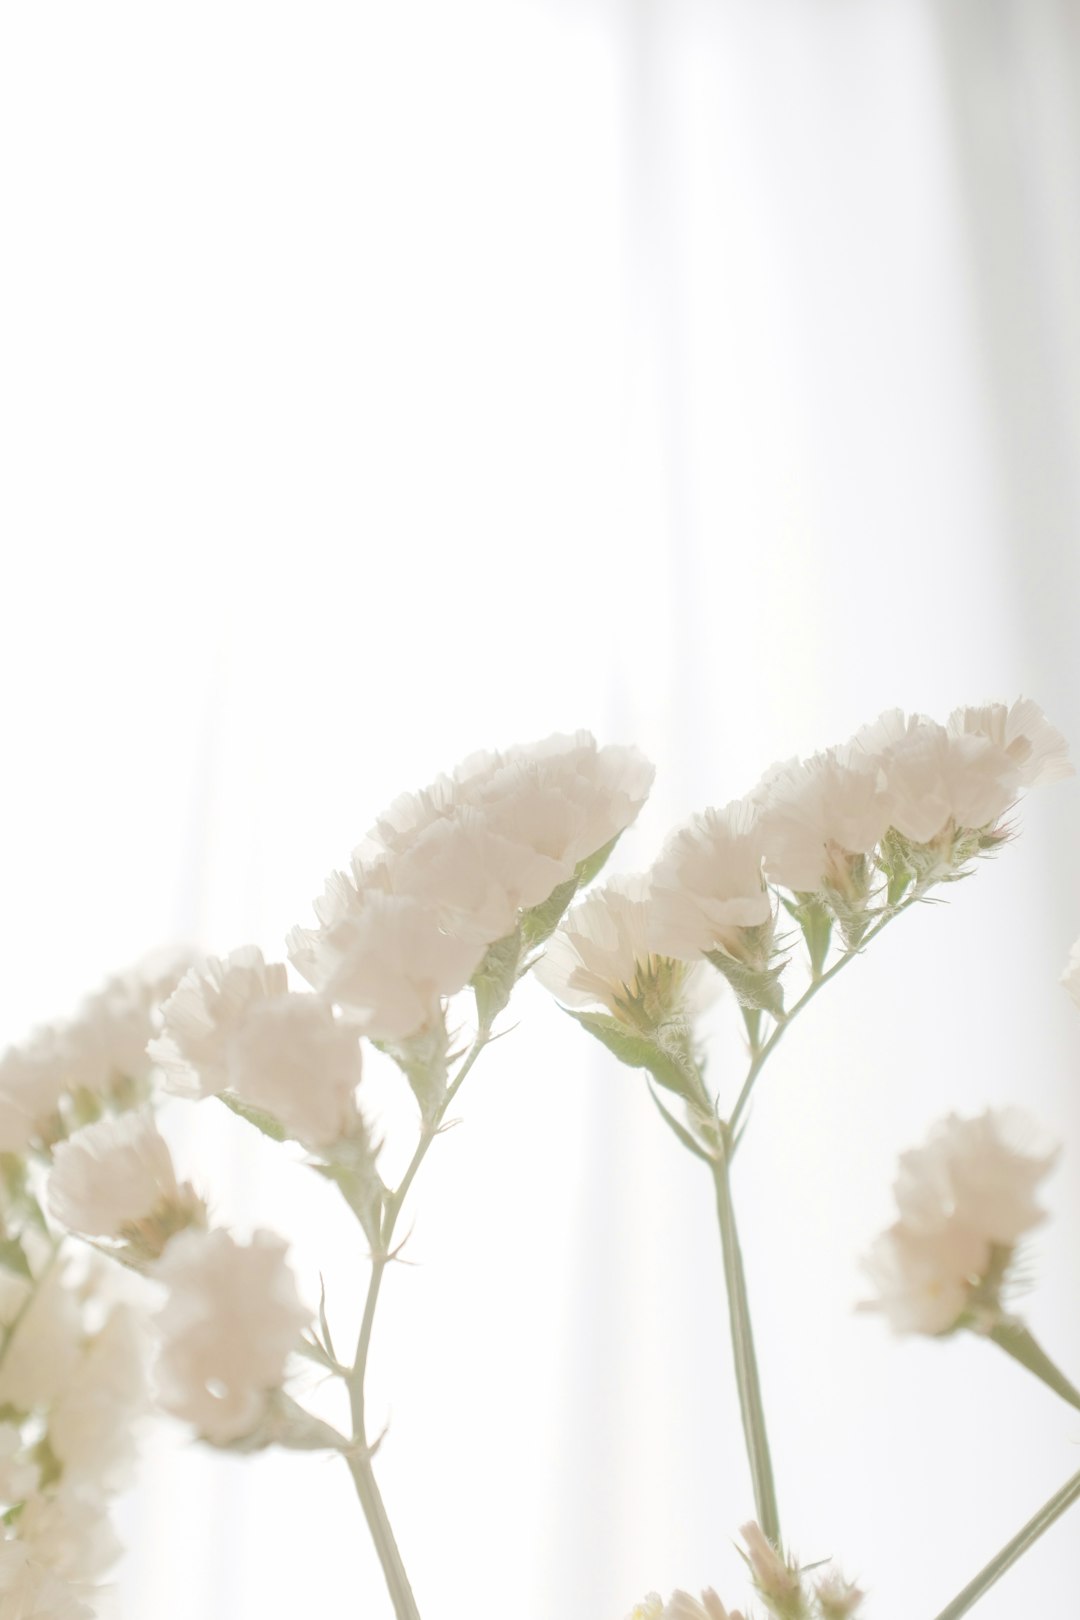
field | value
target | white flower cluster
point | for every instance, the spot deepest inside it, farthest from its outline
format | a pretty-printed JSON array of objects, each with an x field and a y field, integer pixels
[
  {"x": 848, "y": 834},
  {"x": 67, "y": 1073},
  {"x": 449, "y": 871},
  {"x": 71, "y": 1396},
  {"x": 965, "y": 1201},
  {"x": 783, "y": 1587}
]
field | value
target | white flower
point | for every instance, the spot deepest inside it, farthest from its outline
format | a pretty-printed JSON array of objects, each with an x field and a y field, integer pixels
[
  {"x": 563, "y": 797},
  {"x": 205, "y": 1011},
  {"x": 231, "y": 1319},
  {"x": 473, "y": 878},
  {"x": 1037, "y": 748},
  {"x": 33, "y": 1078},
  {"x": 116, "y": 1176},
  {"x": 1071, "y": 976},
  {"x": 938, "y": 782},
  {"x": 294, "y": 1059},
  {"x": 651, "y": 1607},
  {"x": 707, "y": 887},
  {"x": 816, "y": 815},
  {"x": 601, "y": 956},
  {"x": 30, "y": 1591},
  {"x": 778, "y": 1581},
  {"x": 105, "y": 1043},
  {"x": 68, "y": 1531},
  {"x": 385, "y": 959},
  {"x": 92, "y": 1425},
  {"x": 965, "y": 1200}
]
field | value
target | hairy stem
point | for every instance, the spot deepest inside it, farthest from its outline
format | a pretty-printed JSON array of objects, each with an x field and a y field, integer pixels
[{"x": 1012, "y": 1550}]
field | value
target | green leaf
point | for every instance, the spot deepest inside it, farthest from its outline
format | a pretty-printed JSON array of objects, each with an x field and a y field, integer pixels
[
  {"x": 754, "y": 987},
  {"x": 540, "y": 922},
  {"x": 494, "y": 979},
  {"x": 13, "y": 1259},
  {"x": 594, "y": 864},
  {"x": 266, "y": 1123},
  {"x": 639, "y": 1051},
  {"x": 363, "y": 1190}
]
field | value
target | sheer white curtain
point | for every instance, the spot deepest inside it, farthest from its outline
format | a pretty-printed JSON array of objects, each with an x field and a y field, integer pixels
[{"x": 384, "y": 382}]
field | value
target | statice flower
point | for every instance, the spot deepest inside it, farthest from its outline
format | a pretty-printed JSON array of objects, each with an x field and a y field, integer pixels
[
  {"x": 385, "y": 959},
  {"x": 601, "y": 956},
  {"x": 228, "y": 1325},
  {"x": 563, "y": 797},
  {"x": 33, "y": 1078},
  {"x": 115, "y": 1179},
  {"x": 92, "y": 1424},
  {"x": 965, "y": 1201},
  {"x": 681, "y": 1606},
  {"x": 1037, "y": 749},
  {"x": 820, "y": 819},
  {"x": 708, "y": 891},
  {"x": 31, "y": 1591},
  {"x": 205, "y": 1011}
]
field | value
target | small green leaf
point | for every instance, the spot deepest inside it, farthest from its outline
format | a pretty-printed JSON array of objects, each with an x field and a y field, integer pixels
[
  {"x": 540, "y": 922},
  {"x": 266, "y": 1123},
  {"x": 494, "y": 979},
  {"x": 639, "y": 1051},
  {"x": 594, "y": 864},
  {"x": 754, "y": 987}
]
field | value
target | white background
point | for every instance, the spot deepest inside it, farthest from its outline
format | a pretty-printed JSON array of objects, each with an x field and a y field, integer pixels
[{"x": 380, "y": 382}]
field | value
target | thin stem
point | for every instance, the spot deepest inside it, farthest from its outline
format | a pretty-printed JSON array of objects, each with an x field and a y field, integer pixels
[
  {"x": 360, "y": 1464},
  {"x": 742, "y": 1340},
  {"x": 1012, "y": 1550},
  {"x": 1016, "y": 1341},
  {"x": 761, "y": 1053}
]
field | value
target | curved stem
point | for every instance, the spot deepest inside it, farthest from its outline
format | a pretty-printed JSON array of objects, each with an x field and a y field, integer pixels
[
  {"x": 742, "y": 1340},
  {"x": 1012, "y": 1550},
  {"x": 360, "y": 1463},
  {"x": 761, "y": 1053}
]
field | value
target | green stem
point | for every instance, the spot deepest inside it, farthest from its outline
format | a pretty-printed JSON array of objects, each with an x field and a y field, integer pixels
[
  {"x": 360, "y": 1467},
  {"x": 762, "y": 1053},
  {"x": 742, "y": 1340},
  {"x": 1016, "y": 1341},
  {"x": 1012, "y": 1550}
]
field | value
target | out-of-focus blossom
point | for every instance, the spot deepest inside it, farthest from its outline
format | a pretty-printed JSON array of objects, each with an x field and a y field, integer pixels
[
  {"x": 92, "y": 1425},
  {"x": 115, "y": 1179},
  {"x": 31, "y": 1591},
  {"x": 938, "y": 782},
  {"x": 1071, "y": 976},
  {"x": 228, "y": 1325},
  {"x": 1037, "y": 749},
  {"x": 837, "y": 1598},
  {"x": 18, "y": 1471},
  {"x": 294, "y": 1059},
  {"x": 204, "y": 1013},
  {"x": 965, "y": 1200},
  {"x": 387, "y": 962}
]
